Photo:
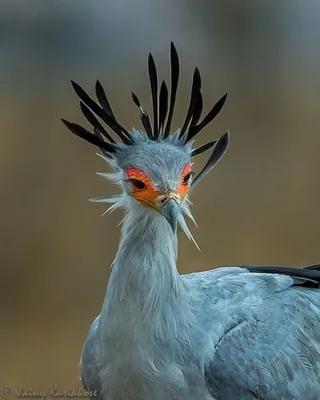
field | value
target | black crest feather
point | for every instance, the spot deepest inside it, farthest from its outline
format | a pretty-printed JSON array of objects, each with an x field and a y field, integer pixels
[
  {"x": 197, "y": 111},
  {"x": 103, "y": 99},
  {"x": 94, "y": 122},
  {"x": 163, "y": 104},
  {"x": 175, "y": 71},
  {"x": 203, "y": 148},
  {"x": 108, "y": 119},
  {"x": 195, "y": 90},
  {"x": 194, "y": 129},
  {"x": 88, "y": 136},
  {"x": 220, "y": 148},
  {"x": 154, "y": 92},
  {"x": 143, "y": 116}
]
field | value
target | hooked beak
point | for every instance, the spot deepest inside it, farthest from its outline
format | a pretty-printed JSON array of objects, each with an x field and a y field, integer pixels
[{"x": 171, "y": 209}]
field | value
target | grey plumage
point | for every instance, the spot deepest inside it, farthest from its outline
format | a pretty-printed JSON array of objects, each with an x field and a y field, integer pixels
[{"x": 231, "y": 333}]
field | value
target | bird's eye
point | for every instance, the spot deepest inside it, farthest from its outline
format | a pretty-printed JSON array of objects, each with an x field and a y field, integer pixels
[
  {"x": 137, "y": 183},
  {"x": 187, "y": 178}
]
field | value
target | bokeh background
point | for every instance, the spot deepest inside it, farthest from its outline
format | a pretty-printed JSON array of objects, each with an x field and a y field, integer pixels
[{"x": 259, "y": 206}]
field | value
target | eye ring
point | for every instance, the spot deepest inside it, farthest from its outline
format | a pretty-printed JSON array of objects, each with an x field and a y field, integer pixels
[
  {"x": 186, "y": 178},
  {"x": 137, "y": 183}
]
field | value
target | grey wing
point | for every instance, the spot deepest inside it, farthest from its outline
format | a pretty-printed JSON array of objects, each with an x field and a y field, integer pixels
[
  {"x": 89, "y": 363},
  {"x": 274, "y": 353}
]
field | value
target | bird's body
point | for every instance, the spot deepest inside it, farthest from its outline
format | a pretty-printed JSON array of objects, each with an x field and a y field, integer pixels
[
  {"x": 222, "y": 334},
  {"x": 231, "y": 333}
]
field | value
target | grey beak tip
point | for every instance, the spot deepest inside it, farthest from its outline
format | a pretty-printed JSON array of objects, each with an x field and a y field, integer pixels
[{"x": 171, "y": 211}]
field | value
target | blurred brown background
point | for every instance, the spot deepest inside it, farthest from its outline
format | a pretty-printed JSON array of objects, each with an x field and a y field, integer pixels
[{"x": 260, "y": 205}]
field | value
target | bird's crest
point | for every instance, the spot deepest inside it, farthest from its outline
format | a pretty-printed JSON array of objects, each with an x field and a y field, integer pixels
[{"x": 162, "y": 117}]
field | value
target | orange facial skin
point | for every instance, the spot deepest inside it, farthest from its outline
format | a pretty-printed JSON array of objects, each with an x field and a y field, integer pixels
[{"x": 149, "y": 195}]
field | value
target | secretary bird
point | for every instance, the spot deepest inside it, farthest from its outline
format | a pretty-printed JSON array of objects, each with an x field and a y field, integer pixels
[{"x": 231, "y": 333}]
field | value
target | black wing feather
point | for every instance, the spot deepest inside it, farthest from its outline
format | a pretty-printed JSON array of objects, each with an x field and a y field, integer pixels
[{"x": 307, "y": 276}]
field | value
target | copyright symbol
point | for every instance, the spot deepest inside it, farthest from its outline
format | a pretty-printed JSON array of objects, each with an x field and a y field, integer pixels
[{"x": 6, "y": 391}]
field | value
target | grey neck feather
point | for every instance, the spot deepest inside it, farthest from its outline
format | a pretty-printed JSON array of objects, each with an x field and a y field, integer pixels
[{"x": 145, "y": 288}]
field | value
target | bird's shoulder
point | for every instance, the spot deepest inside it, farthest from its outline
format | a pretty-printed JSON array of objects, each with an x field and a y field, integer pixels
[
  {"x": 226, "y": 296},
  {"x": 263, "y": 330},
  {"x": 232, "y": 284}
]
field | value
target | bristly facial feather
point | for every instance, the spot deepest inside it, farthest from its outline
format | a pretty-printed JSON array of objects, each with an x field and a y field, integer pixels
[{"x": 154, "y": 169}]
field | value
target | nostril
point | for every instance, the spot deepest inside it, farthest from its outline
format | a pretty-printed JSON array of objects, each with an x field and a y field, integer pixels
[{"x": 162, "y": 199}]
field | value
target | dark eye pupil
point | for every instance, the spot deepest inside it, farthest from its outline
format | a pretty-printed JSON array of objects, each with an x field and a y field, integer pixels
[
  {"x": 138, "y": 184},
  {"x": 187, "y": 177}
]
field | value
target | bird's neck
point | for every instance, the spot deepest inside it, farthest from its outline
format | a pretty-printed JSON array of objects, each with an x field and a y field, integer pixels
[{"x": 145, "y": 287}]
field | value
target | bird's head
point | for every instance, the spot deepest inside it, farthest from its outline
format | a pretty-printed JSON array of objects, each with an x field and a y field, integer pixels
[
  {"x": 157, "y": 175},
  {"x": 154, "y": 168}
]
